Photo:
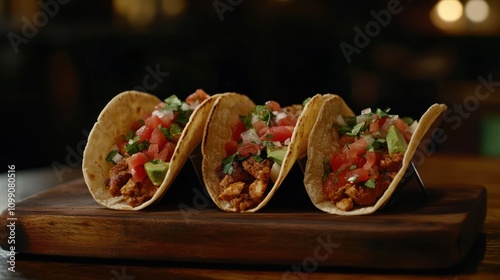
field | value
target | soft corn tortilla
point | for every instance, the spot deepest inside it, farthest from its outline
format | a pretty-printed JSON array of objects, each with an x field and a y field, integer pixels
[
  {"x": 115, "y": 120},
  {"x": 228, "y": 108},
  {"x": 323, "y": 142}
]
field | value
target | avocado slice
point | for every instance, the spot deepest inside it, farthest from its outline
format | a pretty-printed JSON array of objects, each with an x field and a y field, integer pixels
[
  {"x": 277, "y": 154},
  {"x": 396, "y": 142},
  {"x": 156, "y": 171}
]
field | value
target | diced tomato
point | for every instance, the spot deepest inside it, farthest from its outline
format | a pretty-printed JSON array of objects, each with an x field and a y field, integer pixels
[
  {"x": 345, "y": 139},
  {"x": 288, "y": 121},
  {"x": 166, "y": 153},
  {"x": 281, "y": 133},
  {"x": 356, "y": 149},
  {"x": 136, "y": 159},
  {"x": 371, "y": 159},
  {"x": 157, "y": 137},
  {"x": 381, "y": 123},
  {"x": 260, "y": 127},
  {"x": 374, "y": 126},
  {"x": 248, "y": 149},
  {"x": 152, "y": 151},
  {"x": 153, "y": 122},
  {"x": 361, "y": 175},
  {"x": 199, "y": 95},
  {"x": 138, "y": 173},
  {"x": 331, "y": 184},
  {"x": 160, "y": 106},
  {"x": 238, "y": 128},
  {"x": 273, "y": 105},
  {"x": 166, "y": 121},
  {"x": 144, "y": 132},
  {"x": 338, "y": 159},
  {"x": 231, "y": 147},
  {"x": 135, "y": 125}
]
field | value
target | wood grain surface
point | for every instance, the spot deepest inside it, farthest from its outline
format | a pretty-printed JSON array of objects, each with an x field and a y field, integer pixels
[{"x": 414, "y": 238}]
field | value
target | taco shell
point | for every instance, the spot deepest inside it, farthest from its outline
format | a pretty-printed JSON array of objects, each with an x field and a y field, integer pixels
[
  {"x": 320, "y": 146},
  {"x": 115, "y": 120},
  {"x": 218, "y": 130}
]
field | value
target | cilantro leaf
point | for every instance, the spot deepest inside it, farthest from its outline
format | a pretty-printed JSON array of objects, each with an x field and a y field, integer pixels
[
  {"x": 173, "y": 102},
  {"x": 370, "y": 183},
  {"x": 111, "y": 155},
  {"x": 247, "y": 120},
  {"x": 304, "y": 103}
]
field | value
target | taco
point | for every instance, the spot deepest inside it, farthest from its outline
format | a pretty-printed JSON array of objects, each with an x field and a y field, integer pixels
[
  {"x": 355, "y": 163},
  {"x": 139, "y": 144},
  {"x": 248, "y": 149}
]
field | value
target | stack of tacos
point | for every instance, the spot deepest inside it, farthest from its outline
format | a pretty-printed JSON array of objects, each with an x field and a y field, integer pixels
[
  {"x": 139, "y": 144},
  {"x": 249, "y": 149},
  {"x": 355, "y": 163}
]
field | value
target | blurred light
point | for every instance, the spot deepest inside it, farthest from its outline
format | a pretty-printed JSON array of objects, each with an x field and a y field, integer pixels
[
  {"x": 24, "y": 8},
  {"x": 139, "y": 13},
  {"x": 173, "y": 8},
  {"x": 477, "y": 10},
  {"x": 449, "y": 10}
]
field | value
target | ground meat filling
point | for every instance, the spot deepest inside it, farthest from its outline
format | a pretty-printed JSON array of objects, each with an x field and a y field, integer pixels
[
  {"x": 120, "y": 182},
  {"x": 350, "y": 195},
  {"x": 245, "y": 187}
]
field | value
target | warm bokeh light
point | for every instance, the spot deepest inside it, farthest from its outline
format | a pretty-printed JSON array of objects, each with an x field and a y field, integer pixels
[
  {"x": 477, "y": 10},
  {"x": 449, "y": 10},
  {"x": 173, "y": 8},
  {"x": 138, "y": 13}
]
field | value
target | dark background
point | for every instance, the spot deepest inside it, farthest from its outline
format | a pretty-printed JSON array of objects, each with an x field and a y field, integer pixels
[{"x": 85, "y": 52}]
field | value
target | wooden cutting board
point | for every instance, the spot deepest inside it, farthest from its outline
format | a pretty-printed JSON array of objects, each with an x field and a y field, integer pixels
[{"x": 413, "y": 233}]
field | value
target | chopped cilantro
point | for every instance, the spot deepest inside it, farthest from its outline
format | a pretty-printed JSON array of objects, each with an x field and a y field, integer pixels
[
  {"x": 175, "y": 129},
  {"x": 269, "y": 136},
  {"x": 268, "y": 144},
  {"x": 358, "y": 128},
  {"x": 247, "y": 120},
  {"x": 173, "y": 102},
  {"x": 141, "y": 121},
  {"x": 111, "y": 155},
  {"x": 382, "y": 113},
  {"x": 227, "y": 162},
  {"x": 183, "y": 117},
  {"x": 257, "y": 158},
  {"x": 326, "y": 169},
  {"x": 304, "y": 103},
  {"x": 352, "y": 167},
  {"x": 370, "y": 183},
  {"x": 408, "y": 120},
  {"x": 263, "y": 113},
  {"x": 376, "y": 145},
  {"x": 136, "y": 146},
  {"x": 129, "y": 135}
]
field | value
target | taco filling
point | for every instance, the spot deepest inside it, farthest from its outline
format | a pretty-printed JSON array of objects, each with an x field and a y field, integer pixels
[
  {"x": 255, "y": 153},
  {"x": 372, "y": 146},
  {"x": 142, "y": 156}
]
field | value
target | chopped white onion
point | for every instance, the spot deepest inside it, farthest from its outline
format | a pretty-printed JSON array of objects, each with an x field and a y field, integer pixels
[
  {"x": 412, "y": 127},
  {"x": 184, "y": 107},
  {"x": 386, "y": 125},
  {"x": 366, "y": 111},
  {"x": 369, "y": 139},
  {"x": 255, "y": 118},
  {"x": 340, "y": 120},
  {"x": 117, "y": 158},
  {"x": 193, "y": 105},
  {"x": 280, "y": 115},
  {"x": 277, "y": 143},
  {"x": 275, "y": 172},
  {"x": 362, "y": 118},
  {"x": 250, "y": 136},
  {"x": 161, "y": 113},
  {"x": 287, "y": 141}
]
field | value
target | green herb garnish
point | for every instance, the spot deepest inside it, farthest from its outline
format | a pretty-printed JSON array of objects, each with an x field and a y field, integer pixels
[
  {"x": 111, "y": 155},
  {"x": 370, "y": 183}
]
